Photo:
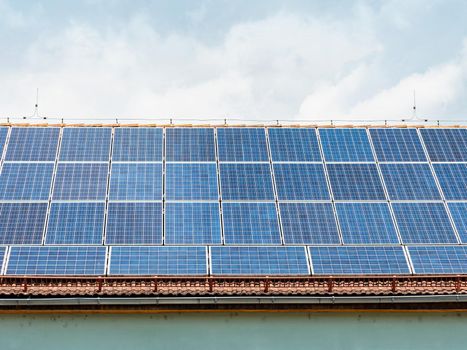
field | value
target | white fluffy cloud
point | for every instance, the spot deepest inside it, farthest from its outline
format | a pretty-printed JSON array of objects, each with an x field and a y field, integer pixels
[{"x": 281, "y": 67}]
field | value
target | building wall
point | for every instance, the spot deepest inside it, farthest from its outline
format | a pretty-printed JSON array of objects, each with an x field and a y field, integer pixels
[{"x": 292, "y": 331}]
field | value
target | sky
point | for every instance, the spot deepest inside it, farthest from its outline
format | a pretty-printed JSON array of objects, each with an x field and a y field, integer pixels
[{"x": 249, "y": 60}]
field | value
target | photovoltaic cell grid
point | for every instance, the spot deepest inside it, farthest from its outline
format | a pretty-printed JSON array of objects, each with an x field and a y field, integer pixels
[
  {"x": 136, "y": 181},
  {"x": 26, "y": 181},
  {"x": 355, "y": 182},
  {"x": 242, "y": 145},
  {"x": 409, "y": 182},
  {"x": 56, "y": 261},
  {"x": 251, "y": 223},
  {"x": 191, "y": 181},
  {"x": 246, "y": 182},
  {"x": 423, "y": 223},
  {"x": 75, "y": 223},
  {"x": 33, "y": 144},
  {"x": 366, "y": 223},
  {"x": 309, "y": 223},
  {"x": 459, "y": 216},
  {"x": 358, "y": 260},
  {"x": 259, "y": 261},
  {"x": 134, "y": 223},
  {"x": 192, "y": 223},
  {"x": 453, "y": 180},
  {"x": 397, "y": 145},
  {"x": 445, "y": 145},
  {"x": 346, "y": 145},
  {"x": 294, "y": 145},
  {"x": 439, "y": 259},
  {"x": 186, "y": 144},
  {"x": 137, "y": 144},
  {"x": 85, "y": 144},
  {"x": 22, "y": 223},
  {"x": 301, "y": 182},
  {"x": 3, "y": 135},
  {"x": 163, "y": 260}
]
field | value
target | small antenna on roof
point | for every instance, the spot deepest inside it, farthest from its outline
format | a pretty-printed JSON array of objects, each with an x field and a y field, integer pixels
[
  {"x": 414, "y": 106},
  {"x": 36, "y": 107}
]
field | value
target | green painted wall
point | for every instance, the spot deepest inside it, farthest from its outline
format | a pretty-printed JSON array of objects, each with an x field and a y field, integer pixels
[{"x": 222, "y": 331}]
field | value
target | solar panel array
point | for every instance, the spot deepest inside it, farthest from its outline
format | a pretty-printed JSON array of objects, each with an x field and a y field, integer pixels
[{"x": 232, "y": 201}]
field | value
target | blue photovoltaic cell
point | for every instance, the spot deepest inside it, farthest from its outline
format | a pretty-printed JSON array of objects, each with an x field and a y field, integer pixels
[
  {"x": 164, "y": 260},
  {"x": 2, "y": 255},
  {"x": 56, "y": 261},
  {"x": 85, "y": 144},
  {"x": 355, "y": 182},
  {"x": 409, "y": 182},
  {"x": 185, "y": 144},
  {"x": 26, "y": 181},
  {"x": 259, "y": 261},
  {"x": 81, "y": 181},
  {"x": 192, "y": 223},
  {"x": 366, "y": 223},
  {"x": 134, "y": 223},
  {"x": 445, "y": 145},
  {"x": 191, "y": 181},
  {"x": 136, "y": 181},
  {"x": 75, "y": 223},
  {"x": 246, "y": 182},
  {"x": 250, "y": 223},
  {"x": 300, "y": 182},
  {"x": 397, "y": 145},
  {"x": 308, "y": 223},
  {"x": 423, "y": 223},
  {"x": 294, "y": 145},
  {"x": 439, "y": 259},
  {"x": 358, "y": 260},
  {"x": 137, "y": 144},
  {"x": 453, "y": 180},
  {"x": 22, "y": 223},
  {"x": 33, "y": 144},
  {"x": 242, "y": 145},
  {"x": 346, "y": 145},
  {"x": 459, "y": 216},
  {"x": 3, "y": 134}
]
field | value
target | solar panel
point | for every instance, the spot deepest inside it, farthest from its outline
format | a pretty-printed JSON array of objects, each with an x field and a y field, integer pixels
[
  {"x": 33, "y": 144},
  {"x": 445, "y": 145},
  {"x": 56, "y": 260},
  {"x": 164, "y": 260},
  {"x": 246, "y": 182},
  {"x": 366, "y": 223},
  {"x": 2, "y": 255},
  {"x": 294, "y": 145},
  {"x": 185, "y": 144},
  {"x": 355, "y": 182},
  {"x": 242, "y": 144},
  {"x": 459, "y": 216},
  {"x": 409, "y": 182},
  {"x": 308, "y": 223},
  {"x": 134, "y": 223},
  {"x": 300, "y": 182},
  {"x": 250, "y": 223},
  {"x": 81, "y": 181},
  {"x": 397, "y": 145},
  {"x": 136, "y": 181},
  {"x": 346, "y": 145},
  {"x": 259, "y": 261},
  {"x": 137, "y": 144},
  {"x": 358, "y": 260},
  {"x": 75, "y": 223},
  {"x": 191, "y": 181},
  {"x": 192, "y": 223},
  {"x": 439, "y": 259},
  {"x": 85, "y": 144},
  {"x": 423, "y": 223},
  {"x": 26, "y": 181},
  {"x": 453, "y": 180},
  {"x": 3, "y": 135},
  {"x": 22, "y": 223}
]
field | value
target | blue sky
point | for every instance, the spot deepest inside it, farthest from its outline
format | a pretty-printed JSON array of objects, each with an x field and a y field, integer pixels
[{"x": 267, "y": 60}]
